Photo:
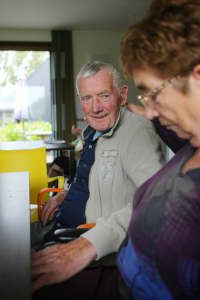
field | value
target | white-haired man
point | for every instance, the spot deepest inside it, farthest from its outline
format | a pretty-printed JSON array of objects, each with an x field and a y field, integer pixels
[{"x": 121, "y": 151}]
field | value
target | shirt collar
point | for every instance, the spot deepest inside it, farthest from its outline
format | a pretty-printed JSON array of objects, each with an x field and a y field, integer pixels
[{"x": 89, "y": 131}]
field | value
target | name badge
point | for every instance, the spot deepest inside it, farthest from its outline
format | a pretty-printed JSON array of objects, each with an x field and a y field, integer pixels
[{"x": 108, "y": 153}]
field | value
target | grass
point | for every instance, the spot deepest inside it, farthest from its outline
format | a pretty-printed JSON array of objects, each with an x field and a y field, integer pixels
[{"x": 14, "y": 132}]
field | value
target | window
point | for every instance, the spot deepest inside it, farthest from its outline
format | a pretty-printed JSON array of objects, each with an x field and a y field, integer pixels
[
  {"x": 8, "y": 117},
  {"x": 25, "y": 92},
  {"x": 1, "y": 118}
]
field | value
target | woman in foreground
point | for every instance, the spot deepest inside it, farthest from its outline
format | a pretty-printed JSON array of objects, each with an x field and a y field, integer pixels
[{"x": 160, "y": 257}]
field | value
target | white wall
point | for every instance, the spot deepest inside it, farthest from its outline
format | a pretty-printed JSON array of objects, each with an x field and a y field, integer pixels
[
  {"x": 85, "y": 43},
  {"x": 169, "y": 153},
  {"x": 21, "y": 35}
]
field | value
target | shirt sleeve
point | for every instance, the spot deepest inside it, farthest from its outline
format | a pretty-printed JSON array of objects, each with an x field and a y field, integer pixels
[
  {"x": 140, "y": 163},
  {"x": 145, "y": 159}
]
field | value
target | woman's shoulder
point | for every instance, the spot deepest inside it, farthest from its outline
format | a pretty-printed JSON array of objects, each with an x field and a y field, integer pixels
[{"x": 193, "y": 162}]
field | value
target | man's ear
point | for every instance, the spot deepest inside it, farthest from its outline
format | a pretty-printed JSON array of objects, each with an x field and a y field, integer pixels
[
  {"x": 78, "y": 96},
  {"x": 124, "y": 95}
]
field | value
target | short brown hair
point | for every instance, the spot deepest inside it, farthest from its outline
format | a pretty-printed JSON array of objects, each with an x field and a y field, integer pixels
[{"x": 167, "y": 39}]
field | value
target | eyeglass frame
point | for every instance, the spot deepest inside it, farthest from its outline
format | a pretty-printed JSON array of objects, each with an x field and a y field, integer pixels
[{"x": 144, "y": 99}]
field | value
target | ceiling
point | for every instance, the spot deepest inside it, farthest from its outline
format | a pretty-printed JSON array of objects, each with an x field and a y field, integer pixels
[{"x": 112, "y": 15}]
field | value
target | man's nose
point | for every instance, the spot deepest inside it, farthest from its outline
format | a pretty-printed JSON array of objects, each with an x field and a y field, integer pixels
[
  {"x": 150, "y": 110},
  {"x": 96, "y": 105}
]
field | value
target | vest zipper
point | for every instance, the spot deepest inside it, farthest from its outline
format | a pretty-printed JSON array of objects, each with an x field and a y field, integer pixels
[{"x": 84, "y": 217}]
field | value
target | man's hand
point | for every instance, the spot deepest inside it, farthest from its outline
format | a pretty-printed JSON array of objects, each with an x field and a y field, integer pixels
[
  {"x": 60, "y": 262},
  {"x": 50, "y": 206},
  {"x": 136, "y": 109}
]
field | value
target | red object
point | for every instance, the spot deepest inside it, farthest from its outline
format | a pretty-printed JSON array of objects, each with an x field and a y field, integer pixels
[
  {"x": 41, "y": 193},
  {"x": 88, "y": 225}
]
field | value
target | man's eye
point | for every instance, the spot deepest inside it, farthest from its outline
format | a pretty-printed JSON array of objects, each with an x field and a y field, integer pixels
[
  {"x": 86, "y": 98},
  {"x": 104, "y": 97}
]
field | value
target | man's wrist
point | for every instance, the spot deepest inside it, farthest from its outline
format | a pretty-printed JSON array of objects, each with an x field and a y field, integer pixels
[
  {"x": 64, "y": 192},
  {"x": 60, "y": 197},
  {"x": 86, "y": 248}
]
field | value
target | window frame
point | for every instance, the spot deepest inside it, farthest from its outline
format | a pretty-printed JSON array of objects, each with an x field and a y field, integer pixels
[{"x": 25, "y": 46}]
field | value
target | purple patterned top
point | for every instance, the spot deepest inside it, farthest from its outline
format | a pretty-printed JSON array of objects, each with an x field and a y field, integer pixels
[{"x": 160, "y": 256}]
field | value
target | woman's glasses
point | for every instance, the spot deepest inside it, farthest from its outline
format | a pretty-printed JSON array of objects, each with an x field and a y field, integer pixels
[{"x": 144, "y": 99}]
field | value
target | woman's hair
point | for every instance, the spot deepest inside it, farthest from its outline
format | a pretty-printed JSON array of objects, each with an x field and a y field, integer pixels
[
  {"x": 90, "y": 69},
  {"x": 167, "y": 39}
]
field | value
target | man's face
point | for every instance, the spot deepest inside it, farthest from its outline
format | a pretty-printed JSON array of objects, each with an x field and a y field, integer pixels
[{"x": 100, "y": 100}]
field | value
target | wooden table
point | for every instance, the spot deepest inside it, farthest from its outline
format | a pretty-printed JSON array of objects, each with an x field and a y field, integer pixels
[
  {"x": 60, "y": 147},
  {"x": 15, "y": 247},
  {"x": 41, "y": 134}
]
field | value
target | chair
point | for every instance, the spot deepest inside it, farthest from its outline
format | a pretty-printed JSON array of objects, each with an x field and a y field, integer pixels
[
  {"x": 33, "y": 161},
  {"x": 66, "y": 235},
  {"x": 87, "y": 225},
  {"x": 47, "y": 190},
  {"x": 69, "y": 234}
]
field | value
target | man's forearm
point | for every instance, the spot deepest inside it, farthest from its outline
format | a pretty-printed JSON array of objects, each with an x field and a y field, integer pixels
[{"x": 109, "y": 233}]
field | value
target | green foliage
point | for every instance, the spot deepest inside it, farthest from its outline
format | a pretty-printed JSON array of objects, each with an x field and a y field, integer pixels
[
  {"x": 10, "y": 61},
  {"x": 14, "y": 132}
]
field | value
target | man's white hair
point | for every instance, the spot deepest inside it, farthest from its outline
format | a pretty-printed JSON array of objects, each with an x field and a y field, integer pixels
[{"x": 92, "y": 68}]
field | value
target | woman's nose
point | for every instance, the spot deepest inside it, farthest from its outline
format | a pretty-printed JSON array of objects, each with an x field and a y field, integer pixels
[{"x": 150, "y": 111}]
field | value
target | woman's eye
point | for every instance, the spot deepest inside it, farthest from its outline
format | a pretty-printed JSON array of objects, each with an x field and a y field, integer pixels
[{"x": 153, "y": 96}]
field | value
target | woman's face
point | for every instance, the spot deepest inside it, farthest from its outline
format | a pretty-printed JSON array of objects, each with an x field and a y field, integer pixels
[{"x": 177, "y": 110}]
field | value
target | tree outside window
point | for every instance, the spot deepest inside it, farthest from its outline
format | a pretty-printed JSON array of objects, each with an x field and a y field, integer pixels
[{"x": 36, "y": 69}]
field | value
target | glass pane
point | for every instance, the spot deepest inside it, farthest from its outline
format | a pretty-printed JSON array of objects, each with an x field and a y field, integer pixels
[
  {"x": 1, "y": 118},
  {"x": 8, "y": 117},
  {"x": 25, "y": 95}
]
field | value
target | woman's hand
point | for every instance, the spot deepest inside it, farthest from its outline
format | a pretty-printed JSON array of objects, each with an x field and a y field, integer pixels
[
  {"x": 76, "y": 131},
  {"x": 136, "y": 109}
]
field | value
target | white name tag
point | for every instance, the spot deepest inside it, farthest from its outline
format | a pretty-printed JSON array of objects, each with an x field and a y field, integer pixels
[{"x": 112, "y": 153}]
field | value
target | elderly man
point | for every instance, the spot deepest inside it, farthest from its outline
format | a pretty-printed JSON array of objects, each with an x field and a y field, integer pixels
[{"x": 121, "y": 151}]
